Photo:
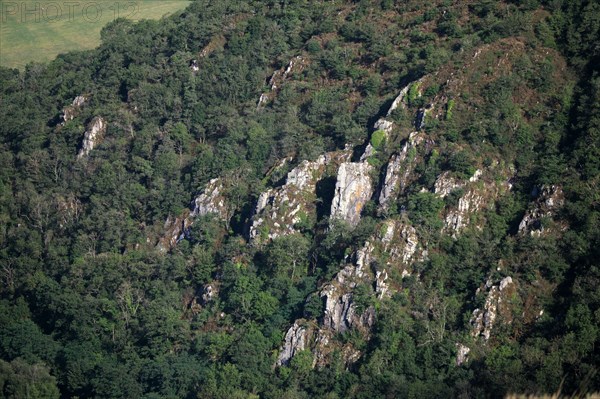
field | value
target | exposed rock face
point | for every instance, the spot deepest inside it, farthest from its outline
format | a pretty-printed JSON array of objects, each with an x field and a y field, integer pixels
[
  {"x": 385, "y": 123},
  {"x": 175, "y": 229},
  {"x": 295, "y": 341},
  {"x": 352, "y": 191},
  {"x": 401, "y": 243},
  {"x": 279, "y": 209},
  {"x": 474, "y": 197},
  {"x": 95, "y": 130},
  {"x": 71, "y": 111},
  {"x": 398, "y": 172},
  {"x": 483, "y": 320},
  {"x": 209, "y": 292},
  {"x": 467, "y": 204},
  {"x": 382, "y": 288},
  {"x": 549, "y": 199},
  {"x": 295, "y": 65},
  {"x": 211, "y": 200},
  {"x": 194, "y": 66},
  {"x": 392, "y": 177},
  {"x": 396, "y": 242},
  {"x": 462, "y": 353},
  {"x": 421, "y": 116},
  {"x": 445, "y": 184}
]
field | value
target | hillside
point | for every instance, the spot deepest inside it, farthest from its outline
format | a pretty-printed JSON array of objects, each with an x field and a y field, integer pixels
[{"x": 261, "y": 199}]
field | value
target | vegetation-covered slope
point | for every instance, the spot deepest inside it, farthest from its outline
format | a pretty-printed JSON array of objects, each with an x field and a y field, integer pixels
[{"x": 289, "y": 199}]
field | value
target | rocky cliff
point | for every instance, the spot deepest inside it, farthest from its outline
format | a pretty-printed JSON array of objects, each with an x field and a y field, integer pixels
[
  {"x": 93, "y": 134},
  {"x": 280, "y": 209},
  {"x": 352, "y": 191}
]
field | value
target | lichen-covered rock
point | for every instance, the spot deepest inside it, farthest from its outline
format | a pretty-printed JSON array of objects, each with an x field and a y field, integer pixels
[
  {"x": 483, "y": 320},
  {"x": 96, "y": 128},
  {"x": 392, "y": 177},
  {"x": 384, "y": 125},
  {"x": 340, "y": 311},
  {"x": 211, "y": 200},
  {"x": 352, "y": 191},
  {"x": 279, "y": 210},
  {"x": 296, "y": 340},
  {"x": 549, "y": 199},
  {"x": 395, "y": 245}
]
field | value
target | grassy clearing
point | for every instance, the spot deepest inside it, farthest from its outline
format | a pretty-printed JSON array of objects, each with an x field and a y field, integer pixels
[{"x": 40, "y": 30}]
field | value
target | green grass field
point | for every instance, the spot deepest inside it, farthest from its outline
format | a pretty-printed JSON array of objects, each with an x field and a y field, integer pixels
[{"x": 40, "y": 30}]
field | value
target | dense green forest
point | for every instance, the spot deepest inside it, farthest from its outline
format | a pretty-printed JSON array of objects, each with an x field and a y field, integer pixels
[{"x": 174, "y": 230}]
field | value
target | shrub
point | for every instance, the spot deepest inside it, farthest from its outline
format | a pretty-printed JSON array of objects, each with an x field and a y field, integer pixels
[
  {"x": 449, "y": 107},
  {"x": 377, "y": 139}
]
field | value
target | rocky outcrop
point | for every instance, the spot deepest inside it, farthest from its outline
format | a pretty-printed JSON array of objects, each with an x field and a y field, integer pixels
[
  {"x": 401, "y": 243},
  {"x": 211, "y": 200},
  {"x": 382, "y": 288},
  {"x": 340, "y": 311},
  {"x": 295, "y": 341},
  {"x": 96, "y": 128},
  {"x": 462, "y": 354},
  {"x": 71, "y": 111},
  {"x": 174, "y": 231},
  {"x": 475, "y": 194},
  {"x": 352, "y": 191},
  {"x": 279, "y": 210},
  {"x": 216, "y": 43},
  {"x": 209, "y": 293},
  {"x": 398, "y": 171},
  {"x": 445, "y": 184},
  {"x": 296, "y": 64},
  {"x": 194, "y": 65},
  {"x": 394, "y": 246},
  {"x": 468, "y": 204},
  {"x": 386, "y": 123},
  {"x": 422, "y": 116},
  {"x": 549, "y": 199},
  {"x": 496, "y": 304}
]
